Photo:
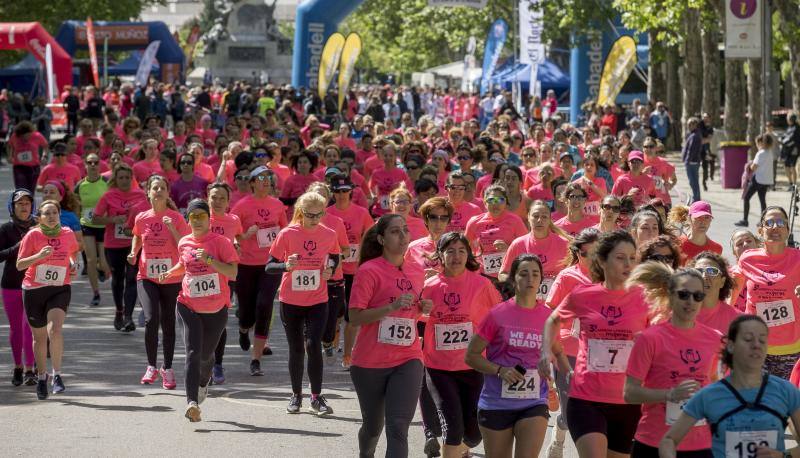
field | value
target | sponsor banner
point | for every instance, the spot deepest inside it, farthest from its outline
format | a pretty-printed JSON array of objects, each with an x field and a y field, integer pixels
[
  {"x": 350, "y": 53},
  {"x": 618, "y": 67},
  {"x": 329, "y": 62},
  {"x": 743, "y": 23},
  {"x": 146, "y": 64},
  {"x": 117, "y": 35},
  {"x": 491, "y": 51},
  {"x": 531, "y": 25}
]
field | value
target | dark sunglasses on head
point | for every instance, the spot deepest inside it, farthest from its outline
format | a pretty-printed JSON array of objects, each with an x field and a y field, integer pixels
[
  {"x": 529, "y": 155},
  {"x": 683, "y": 295}
]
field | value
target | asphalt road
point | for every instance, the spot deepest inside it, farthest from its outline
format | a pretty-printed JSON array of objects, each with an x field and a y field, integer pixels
[{"x": 106, "y": 412}]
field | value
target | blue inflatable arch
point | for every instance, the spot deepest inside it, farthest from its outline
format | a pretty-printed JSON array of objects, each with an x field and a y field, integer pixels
[{"x": 128, "y": 36}]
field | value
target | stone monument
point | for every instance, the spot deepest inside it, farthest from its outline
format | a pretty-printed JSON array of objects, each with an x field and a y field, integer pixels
[{"x": 245, "y": 44}]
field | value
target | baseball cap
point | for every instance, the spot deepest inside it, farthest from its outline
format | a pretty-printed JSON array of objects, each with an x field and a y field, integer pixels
[
  {"x": 566, "y": 154},
  {"x": 19, "y": 193},
  {"x": 341, "y": 183},
  {"x": 333, "y": 171},
  {"x": 636, "y": 154},
  {"x": 700, "y": 208},
  {"x": 258, "y": 171}
]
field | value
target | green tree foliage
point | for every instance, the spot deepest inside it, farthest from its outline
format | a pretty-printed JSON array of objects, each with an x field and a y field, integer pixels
[{"x": 52, "y": 13}]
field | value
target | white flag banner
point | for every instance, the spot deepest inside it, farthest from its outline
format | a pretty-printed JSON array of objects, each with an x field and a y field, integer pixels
[
  {"x": 531, "y": 25},
  {"x": 48, "y": 63},
  {"x": 471, "y": 3},
  {"x": 743, "y": 23},
  {"x": 146, "y": 64}
]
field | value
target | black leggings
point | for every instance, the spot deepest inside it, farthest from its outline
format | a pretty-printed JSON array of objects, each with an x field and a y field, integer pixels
[
  {"x": 456, "y": 396},
  {"x": 348, "y": 288},
  {"x": 158, "y": 303},
  {"x": 201, "y": 333},
  {"x": 752, "y": 188},
  {"x": 336, "y": 306},
  {"x": 431, "y": 423},
  {"x": 123, "y": 279},
  {"x": 219, "y": 352},
  {"x": 386, "y": 396},
  {"x": 256, "y": 290},
  {"x": 304, "y": 326},
  {"x": 25, "y": 176}
]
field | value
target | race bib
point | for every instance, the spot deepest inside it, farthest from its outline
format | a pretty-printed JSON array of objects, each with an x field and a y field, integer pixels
[
  {"x": 776, "y": 313},
  {"x": 744, "y": 444},
  {"x": 384, "y": 202},
  {"x": 674, "y": 410},
  {"x": 527, "y": 389},
  {"x": 609, "y": 356},
  {"x": 305, "y": 280},
  {"x": 453, "y": 336},
  {"x": 87, "y": 214},
  {"x": 545, "y": 287},
  {"x": 659, "y": 183},
  {"x": 575, "y": 331},
  {"x": 355, "y": 250},
  {"x": 119, "y": 232},
  {"x": 591, "y": 208},
  {"x": 204, "y": 285},
  {"x": 25, "y": 156},
  {"x": 397, "y": 331},
  {"x": 267, "y": 236},
  {"x": 492, "y": 262},
  {"x": 51, "y": 275},
  {"x": 156, "y": 267}
]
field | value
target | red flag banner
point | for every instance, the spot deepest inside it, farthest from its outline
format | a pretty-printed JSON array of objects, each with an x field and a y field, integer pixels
[{"x": 92, "y": 50}]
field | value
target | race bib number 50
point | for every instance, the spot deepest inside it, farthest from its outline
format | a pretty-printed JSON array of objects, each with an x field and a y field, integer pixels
[{"x": 51, "y": 275}]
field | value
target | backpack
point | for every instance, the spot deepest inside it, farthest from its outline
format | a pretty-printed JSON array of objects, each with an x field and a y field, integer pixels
[{"x": 744, "y": 405}]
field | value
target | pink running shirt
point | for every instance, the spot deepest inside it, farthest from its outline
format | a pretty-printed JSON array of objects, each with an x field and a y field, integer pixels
[
  {"x": 159, "y": 247},
  {"x": 356, "y": 221},
  {"x": 114, "y": 203},
  {"x": 551, "y": 250},
  {"x": 566, "y": 281},
  {"x": 482, "y": 231},
  {"x": 269, "y": 214},
  {"x": 204, "y": 290},
  {"x": 55, "y": 269}
]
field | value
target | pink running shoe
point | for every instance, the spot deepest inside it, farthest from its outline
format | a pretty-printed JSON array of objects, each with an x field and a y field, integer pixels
[
  {"x": 150, "y": 376},
  {"x": 168, "y": 379}
]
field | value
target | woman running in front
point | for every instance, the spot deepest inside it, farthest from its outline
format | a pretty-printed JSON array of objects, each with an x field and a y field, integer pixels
[
  {"x": 156, "y": 233},
  {"x": 748, "y": 410},
  {"x": 672, "y": 359},
  {"x": 112, "y": 211},
  {"x": 48, "y": 252},
  {"x": 512, "y": 409},
  {"x": 461, "y": 299},
  {"x": 206, "y": 261},
  {"x": 307, "y": 254},
  {"x": 387, "y": 357},
  {"x": 717, "y": 284},
  {"x": 610, "y": 317}
]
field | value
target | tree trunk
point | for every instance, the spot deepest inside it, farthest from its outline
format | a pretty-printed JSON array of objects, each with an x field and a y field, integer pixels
[
  {"x": 735, "y": 101},
  {"x": 692, "y": 66},
  {"x": 672, "y": 64},
  {"x": 656, "y": 79},
  {"x": 790, "y": 18},
  {"x": 754, "y": 99},
  {"x": 711, "y": 69}
]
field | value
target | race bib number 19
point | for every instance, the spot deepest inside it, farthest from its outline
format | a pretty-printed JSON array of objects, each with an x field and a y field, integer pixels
[{"x": 266, "y": 236}]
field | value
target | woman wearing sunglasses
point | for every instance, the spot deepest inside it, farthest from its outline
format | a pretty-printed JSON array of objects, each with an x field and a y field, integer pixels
[
  {"x": 772, "y": 278},
  {"x": 156, "y": 233},
  {"x": 717, "y": 284},
  {"x": 385, "y": 179},
  {"x": 492, "y": 232},
  {"x": 89, "y": 190},
  {"x": 577, "y": 274},
  {"x": 463, "y": 211},
  {"x": 609, "y": 214},
  {"x": 206, "y": 262},
  {"x": 741, "y": 241},
  {"x": 401, "y": 203},
  {"x": 305, "y": 253},
  {"x": 242, "y": 188},
  {"x": 262, "y": 217},
  {"x": 188, "y": 186},
  {"x": 672, "y": 359},
  {"x": 662, "y": 249},
  {"x": 576, "y": 220}
]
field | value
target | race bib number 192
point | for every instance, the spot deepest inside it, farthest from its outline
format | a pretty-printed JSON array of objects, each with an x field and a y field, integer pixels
[{"x": 744, "y": 444}]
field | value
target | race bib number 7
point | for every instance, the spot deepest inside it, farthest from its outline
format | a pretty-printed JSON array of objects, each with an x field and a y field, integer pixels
[
  {"x": 744, "y": 444},
  {"x": 610, "y": 356}
]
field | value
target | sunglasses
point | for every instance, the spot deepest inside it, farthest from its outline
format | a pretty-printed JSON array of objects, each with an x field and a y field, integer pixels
[
  {"x": 198, "y": 216},
  {"x": 441, "y": 218},
  {"x": 709, "y": 271},
  {"x": 577, "y": 197},
  {"x": 613, "y": 208},
  {"x": 412, "y": 167},
  {"x": 186, "y": 163},
  {"x": 495, "y": 200},
  {"x": 313, "y": 215},
  {"x": 772, "y": 223},
  {"x": 683, "y": 295},
  {"x": 260, "y": 155},
  {"x": 464, "y": 158},
  {"x": 665, "y": 258},
  {"x": 528, "y": 155},
  {"x": 92, "y": 162},
  {"x": 242, "y": 178},
  {"x": 401, "y": 202},
  {"x": 262, "y": 178},
  {"x": 456, "y": 187}
]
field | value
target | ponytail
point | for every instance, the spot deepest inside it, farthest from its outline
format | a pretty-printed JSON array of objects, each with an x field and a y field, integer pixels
[
  {"x": 370, "y": 247},
  {"x": 654, "y": 278}
]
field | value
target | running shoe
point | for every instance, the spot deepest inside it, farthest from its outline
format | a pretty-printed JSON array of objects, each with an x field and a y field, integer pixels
[
  {"x": 16, "y": 378},
  {"x": 202, "y": 394},
  {"x": 150, "y": 376},
  {"x": 432, "y": 447},
  {"x": 118, "y": 321},
  {"x": 327, "y": 350},
  {"x": 244, "y": 340},
  {"x": 192, "y": 412},
  {"x": 30, "y": 378},
  {"x": 320, "y": 407},
  {"x": 741, "y": 223},
  {"x": 255, "y": 368},
  {"x": 555, "y": 449},
  {"x": 58, "y": 385},
  {"x": 127, "y": 325},
  {"x": 95, "y": 300},
  {"x": 295, "y": 402},
  {"x": 267, "y": 351},
  {"x": 168, "y": 378},
  {"x": 346, "y": 362},
  {"x": 41, "y": 388},
  {"x": 218, "y": 374},
  {"x": 101, "y": 275}
]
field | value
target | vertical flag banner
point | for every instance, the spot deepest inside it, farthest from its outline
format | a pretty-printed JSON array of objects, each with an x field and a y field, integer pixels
[
  {"x": 92, "y": 50},
  {"x": 191, "y": 43},
  {"x": 491, "y": 51},
  {"x": 329, "y": 62},
  {"x": 619, "y": 64},
  {"x": 469, "y": 63},
  {"x": 146, "y": 64},
  {"x": 350, "y": 53},
  {"x": 48, "y": 64},
  {"x": 531, "y": 49},
  {"x": 743, "y": 23}
]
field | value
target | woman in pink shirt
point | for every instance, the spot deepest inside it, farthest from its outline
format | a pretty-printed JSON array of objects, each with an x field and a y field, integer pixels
[
  {"x": 113, "y": 210},
  {"x": 306, "y": 253},
  {"x": 636, "y": 184},
  {"x": 400, "y": 203},
  {"x": 741, "y": 241},
  {"x": 672, "y": 359},
  {"x": 594, "y": 185},
  {"x": 262, "y": 216},
  {"x": 49, "y": 253},
  {"x": 718, "y": 284},
  {"x": 387, "y": 359},
  {"x": 242, "y": 186},
  {"x": 491, "y": 233},
  {"x": 59, "y": 169},
  {"x": 24, "y": 149},
  {"x": 576, "y": 220},
  {"x": 610, "y": 208},
  {"x": 611, "y": 316},
  {"x": 645, "y": 226},
  {"x": 385, "y": 179},
  {"x": 463, "y": 211},
  {"x": 343, "y": 140},
  {"x": 206, "y": 262},
  {"x": 156, "y": 234},
  {"x": 297, "y": 184},
  {"x": 461, "y": 299}
]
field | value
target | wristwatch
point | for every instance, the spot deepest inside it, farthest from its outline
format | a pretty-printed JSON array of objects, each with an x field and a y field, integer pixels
[{"x": 209, "y": 259}]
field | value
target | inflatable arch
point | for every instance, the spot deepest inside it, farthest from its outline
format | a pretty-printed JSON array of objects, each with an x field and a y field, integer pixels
[
  {"x": 128, "y": 36},
  {"x": 33, "y": 37}
]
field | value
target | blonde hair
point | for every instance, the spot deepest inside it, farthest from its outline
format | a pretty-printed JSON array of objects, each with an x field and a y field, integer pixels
[
  {"x": 659, "y": 281},
  {"x": 303, "y": 202},
  {"x": 320, "y": 188},
  {"x": 552, "y": 226},
  {"x": 400, "y": 189}
]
